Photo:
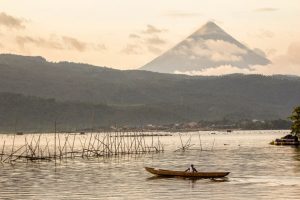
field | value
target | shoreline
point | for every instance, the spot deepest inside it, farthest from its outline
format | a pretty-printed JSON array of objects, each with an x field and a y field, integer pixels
[{"x": 165, "y": 132}]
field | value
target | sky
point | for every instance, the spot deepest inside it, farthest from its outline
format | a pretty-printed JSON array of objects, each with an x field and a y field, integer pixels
[{"x": 126, "y": 34}]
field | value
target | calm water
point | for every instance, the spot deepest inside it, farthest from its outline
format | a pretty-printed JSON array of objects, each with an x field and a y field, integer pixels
[{"x": 258, "y": 171}]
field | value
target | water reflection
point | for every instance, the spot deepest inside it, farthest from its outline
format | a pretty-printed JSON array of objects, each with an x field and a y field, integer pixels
[
  {"x": 258, "y": 171},
  {"x": 297, "y": 153},
  {"x": 191, "y": 179}
]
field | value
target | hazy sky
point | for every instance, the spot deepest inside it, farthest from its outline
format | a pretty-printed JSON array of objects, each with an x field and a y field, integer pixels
[{"x": 126, "y": 34}]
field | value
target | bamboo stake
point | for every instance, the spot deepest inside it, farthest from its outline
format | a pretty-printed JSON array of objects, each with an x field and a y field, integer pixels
[
  {"x": 200, "y": 141},
  {"x": 2, "y": 154},
  {"x": 55, "y": 142}
]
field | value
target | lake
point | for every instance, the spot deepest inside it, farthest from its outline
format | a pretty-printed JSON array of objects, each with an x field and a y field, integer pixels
[{"x": 258, "y": 171}]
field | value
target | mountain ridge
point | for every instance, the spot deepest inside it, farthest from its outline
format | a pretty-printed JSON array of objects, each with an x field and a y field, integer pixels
[
  {"x": 208, "y": 47},
  {"x": 161, "y": 97}
]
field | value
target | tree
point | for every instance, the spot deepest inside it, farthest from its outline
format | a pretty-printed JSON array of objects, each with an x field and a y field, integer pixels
[{"x": 295, "y": 117}]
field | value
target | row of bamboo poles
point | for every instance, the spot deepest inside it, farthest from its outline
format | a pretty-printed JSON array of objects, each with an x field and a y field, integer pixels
[{"x": 63, "y": 146}]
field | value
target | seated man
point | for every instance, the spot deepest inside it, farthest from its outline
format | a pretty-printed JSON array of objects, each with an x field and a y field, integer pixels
[{"x": 191, "y": 169}]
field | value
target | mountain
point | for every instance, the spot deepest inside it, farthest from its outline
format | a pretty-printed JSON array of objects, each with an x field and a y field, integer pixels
[
  {"x": 208, "y": 47},
  {"x": 72, "y": 91}
]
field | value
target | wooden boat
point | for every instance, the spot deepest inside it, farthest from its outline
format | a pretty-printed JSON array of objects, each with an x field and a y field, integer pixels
[{"x": 163, "y": 172}]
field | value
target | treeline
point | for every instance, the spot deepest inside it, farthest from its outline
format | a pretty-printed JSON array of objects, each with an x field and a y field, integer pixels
[
  {"x": 19, "y": 113},
  {"x": 247, "y": 124},
  {"x": 160, "y": 98},
  {"x": 28, "y": 113}
]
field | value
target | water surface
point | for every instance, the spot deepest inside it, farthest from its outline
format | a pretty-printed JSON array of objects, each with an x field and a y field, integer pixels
[{"x": 258, "y": 171}]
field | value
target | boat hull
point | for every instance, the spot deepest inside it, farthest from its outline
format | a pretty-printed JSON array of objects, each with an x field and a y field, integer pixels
[{"x": 162, "y": 172}]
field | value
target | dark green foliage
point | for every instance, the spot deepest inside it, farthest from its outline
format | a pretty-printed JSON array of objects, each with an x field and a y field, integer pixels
[
  {"x": 136, "y": 97},
  {"x": 247, "y": 124},
  {"x": 25, "y": 113},
  {"x": 295, "y": 117}
]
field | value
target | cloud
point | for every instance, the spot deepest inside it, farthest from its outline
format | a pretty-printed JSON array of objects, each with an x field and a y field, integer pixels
[
  {"x": 266, "y": 9},
  {"x": 150, "y": 44},
  {"x": 153, "y": 30},
  {"x": 180, "y": 14},
  {"x": 221, "y": 70},
  {"x": 270, "y": 52},
  {"x": 150, "y": 40},
  {"x": 288, "y": 64},
  {"x": 260, "y": 52},
  {"x": 219, "y": 57},
  {"x": 293, "y": 53},
  {"x": 215, "y": 50},
  {"x": 11, "y": 22},
  {"x": 73, "y": 43},
  {"x": 134, "y": 36},
  {"x": 58, "y": 43},
  {"x": 99, "y": 47},
  {"x": 155, "y": 40},
  {"x": 132, "y": 49},
  {"x": 224, "y": 51},
  {"x": 51, "y": 43}
]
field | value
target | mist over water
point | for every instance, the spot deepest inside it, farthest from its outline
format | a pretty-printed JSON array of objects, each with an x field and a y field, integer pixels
[{"x": 258, "y": 171}]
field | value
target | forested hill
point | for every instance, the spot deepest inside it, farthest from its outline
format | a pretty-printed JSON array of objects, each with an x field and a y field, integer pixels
[
  {"x": 191, "y": 98},
  {"x": 27, "y": 113}
]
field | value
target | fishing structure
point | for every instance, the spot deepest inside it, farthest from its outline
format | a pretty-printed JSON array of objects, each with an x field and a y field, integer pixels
[{"x": 59, "y": 147}]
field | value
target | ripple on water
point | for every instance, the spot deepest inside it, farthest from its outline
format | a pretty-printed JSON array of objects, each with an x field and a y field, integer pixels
[{"x": 258, "y": 171}]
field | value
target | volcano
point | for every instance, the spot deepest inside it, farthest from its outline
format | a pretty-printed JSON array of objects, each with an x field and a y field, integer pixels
[{"x": 208, "y": 47}]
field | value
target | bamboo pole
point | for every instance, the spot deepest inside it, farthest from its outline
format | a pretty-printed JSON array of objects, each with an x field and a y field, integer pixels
[
  {"x": 37, "y": 149},
  {"x": 3, "y": 147},
  {"x": 55, "y": 142}
]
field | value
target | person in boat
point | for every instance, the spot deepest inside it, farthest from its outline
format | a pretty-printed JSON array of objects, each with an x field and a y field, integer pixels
[{"x": 191, "y": 169}]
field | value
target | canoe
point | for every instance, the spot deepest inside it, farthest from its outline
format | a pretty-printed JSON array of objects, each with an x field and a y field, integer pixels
[{"x": 163, "y": 172}]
